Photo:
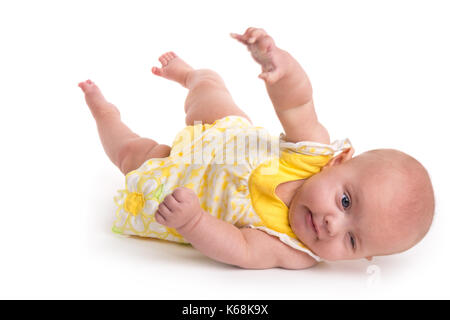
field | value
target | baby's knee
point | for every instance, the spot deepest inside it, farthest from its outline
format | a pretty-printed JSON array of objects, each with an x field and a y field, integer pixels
[
  {"x": 133, "y": 153},
  {"x": 159, "y": 151}
]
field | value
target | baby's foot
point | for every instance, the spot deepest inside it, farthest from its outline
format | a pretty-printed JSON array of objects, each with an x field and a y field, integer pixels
[
  {"x": 173, "y": 68},
  {"x": 264, "y": 51},
  {"x": 95, "y": 100}
]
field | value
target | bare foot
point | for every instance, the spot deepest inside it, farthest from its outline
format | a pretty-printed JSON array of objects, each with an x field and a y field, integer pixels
[
  {"x": 95, "y": 100},
  {"x": 264, "y": 51},
  {"x": 173, "y": 68}
]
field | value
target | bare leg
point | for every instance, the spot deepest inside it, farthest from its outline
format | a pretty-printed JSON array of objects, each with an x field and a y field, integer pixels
[
  {"x": 126, "y": 149},
  {"x": 208, "y": 98}
]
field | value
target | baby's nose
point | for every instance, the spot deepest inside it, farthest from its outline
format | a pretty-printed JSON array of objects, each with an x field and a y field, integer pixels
[{"x": 331, "y": 225}]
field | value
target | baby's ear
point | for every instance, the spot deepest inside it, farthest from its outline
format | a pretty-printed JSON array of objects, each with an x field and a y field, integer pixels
[{"x": 342, "y": 157}]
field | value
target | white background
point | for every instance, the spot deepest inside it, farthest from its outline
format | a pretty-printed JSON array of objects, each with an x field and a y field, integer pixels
[{"x": 380, "y": 72}]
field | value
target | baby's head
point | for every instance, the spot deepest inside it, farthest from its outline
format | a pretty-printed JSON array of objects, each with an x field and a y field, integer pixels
[{"x": 378, "y": 203}]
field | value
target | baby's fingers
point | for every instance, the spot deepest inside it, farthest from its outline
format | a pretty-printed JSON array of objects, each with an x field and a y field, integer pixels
[
  {"x": 248, "y": 33},
  {"x": 163, "y": 214},
  {"x": 252, "y": 34},
  {"x": 171, "y": 203}
]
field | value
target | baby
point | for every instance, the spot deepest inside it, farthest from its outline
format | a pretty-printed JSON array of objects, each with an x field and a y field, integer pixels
[{"x": 288, "y": 201}]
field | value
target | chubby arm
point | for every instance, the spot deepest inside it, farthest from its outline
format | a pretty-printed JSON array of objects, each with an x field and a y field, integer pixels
[
  {"x": 222, "y": 241},
  {"x": 291, "y": 96},
  {"x": 267, "y": 251},
  {"x": 288, "y": 87}
]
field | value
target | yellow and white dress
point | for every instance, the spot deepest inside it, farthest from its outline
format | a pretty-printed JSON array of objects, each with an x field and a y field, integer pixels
[{"x": 234, "y": 168}]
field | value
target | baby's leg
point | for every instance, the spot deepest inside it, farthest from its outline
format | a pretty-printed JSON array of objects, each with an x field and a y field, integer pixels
[
  {"x": 125, "y": 148},
  {"x": 208, "y": 98}
]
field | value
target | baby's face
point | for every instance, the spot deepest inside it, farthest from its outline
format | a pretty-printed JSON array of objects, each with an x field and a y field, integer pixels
[{"x": 345, "y": 212}]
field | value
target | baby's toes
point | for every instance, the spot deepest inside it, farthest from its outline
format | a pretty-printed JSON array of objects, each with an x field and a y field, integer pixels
[
  {"x": 166, "y": 58},
  {"x": 163, "y": 59},
  {"x": 87, "y": 86},
  {"x": 157, "y": 71}
]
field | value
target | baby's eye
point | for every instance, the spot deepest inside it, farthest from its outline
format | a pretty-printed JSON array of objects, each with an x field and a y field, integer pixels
[
  {"x": 345, "y": 201},
  {"x": 352, "y": 241}
]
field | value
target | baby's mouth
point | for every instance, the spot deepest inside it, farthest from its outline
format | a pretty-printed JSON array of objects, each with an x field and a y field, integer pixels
[{"x": 313, "y": 224}]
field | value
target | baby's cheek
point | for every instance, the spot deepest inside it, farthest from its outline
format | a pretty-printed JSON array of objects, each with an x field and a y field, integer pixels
[
  {"x": 313, "y": 191},
  {"x": 330, "y": 250},
  {"x": 295, "y": 223}
]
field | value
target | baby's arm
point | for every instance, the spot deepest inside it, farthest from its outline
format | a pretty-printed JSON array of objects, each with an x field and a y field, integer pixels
[
  {"x": 288, "y": 87},
  {"x": 222, "y": 241}
]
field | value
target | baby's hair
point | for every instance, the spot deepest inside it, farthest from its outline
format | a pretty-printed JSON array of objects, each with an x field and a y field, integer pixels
[{"x": 417, "y": 203}]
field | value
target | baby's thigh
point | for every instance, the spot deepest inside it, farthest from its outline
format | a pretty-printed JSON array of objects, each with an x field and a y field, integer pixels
[{"x": 210, "y": 101}]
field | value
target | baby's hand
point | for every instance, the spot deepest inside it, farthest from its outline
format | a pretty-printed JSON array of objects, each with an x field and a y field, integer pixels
[
  {"x": 262, "y": 48},
  {"x": 179, "y": 209}
]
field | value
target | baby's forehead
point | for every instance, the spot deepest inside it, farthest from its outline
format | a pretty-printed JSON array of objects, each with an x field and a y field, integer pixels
[
  {"x": 381, "y": 170},
  {"x": 386, "y": 160},
  {"x": 377, "y": 160},
  {"x": 377, "y": 185}
]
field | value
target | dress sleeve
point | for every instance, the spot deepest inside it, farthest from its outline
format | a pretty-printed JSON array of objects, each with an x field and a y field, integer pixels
[
  {"x": 313, "y": 155},
  {"x": 314, "y": 148}
]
